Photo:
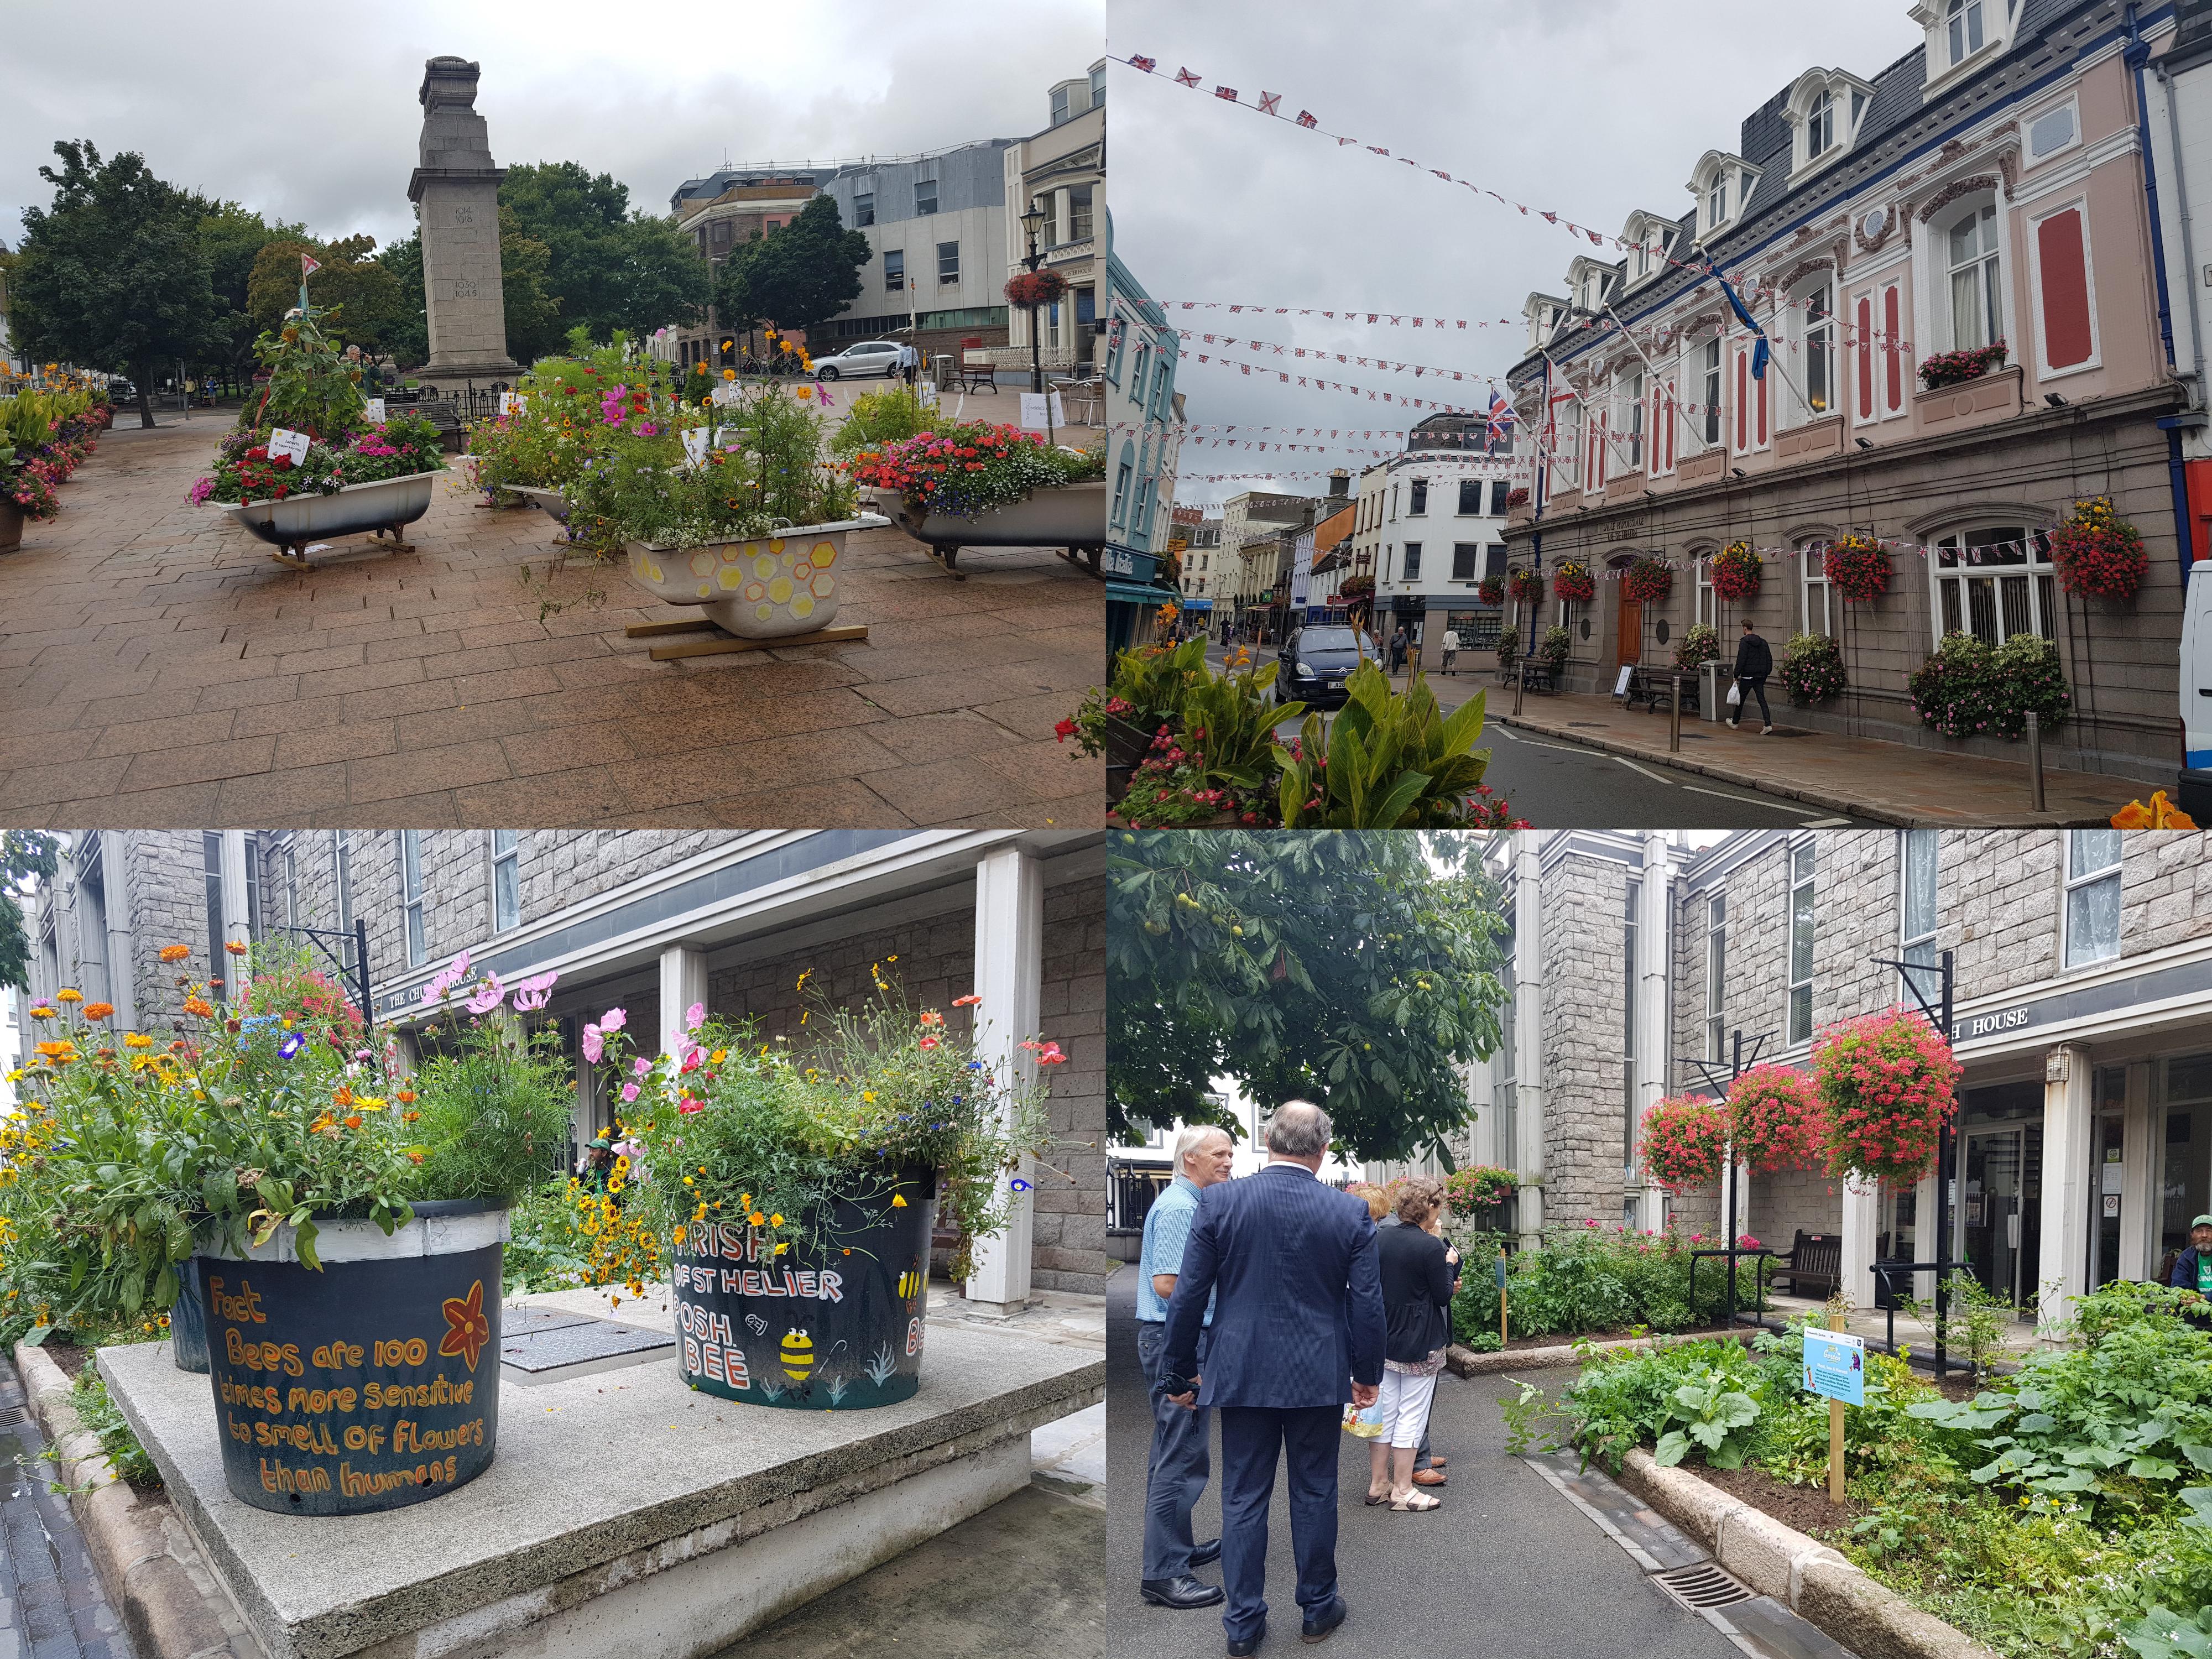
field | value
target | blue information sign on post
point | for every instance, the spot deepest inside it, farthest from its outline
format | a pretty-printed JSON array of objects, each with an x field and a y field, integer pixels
[{"x": 1835, "y": 1366}]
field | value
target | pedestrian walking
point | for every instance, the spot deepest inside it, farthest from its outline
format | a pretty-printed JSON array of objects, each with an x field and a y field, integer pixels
[
  {"x": 1298, "y": 1335},
  {"x": 1176, "y": 1474},
  {"x": 1754, "y": 663},
  {"x": 910, "y": 362},
  {"x": 1451, "y": 650},
  {"x": 1398, "y": 650},
  {"x": 1421, "y": 1276}
]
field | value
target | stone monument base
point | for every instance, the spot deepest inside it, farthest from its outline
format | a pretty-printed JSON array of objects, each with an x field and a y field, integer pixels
[
  {"x": 447, "y": 379},
  {"x": 624, "y": 1514}
]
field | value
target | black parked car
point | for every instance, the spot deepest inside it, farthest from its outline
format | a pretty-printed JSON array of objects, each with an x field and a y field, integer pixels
[{"x": 1317, "y": 661}]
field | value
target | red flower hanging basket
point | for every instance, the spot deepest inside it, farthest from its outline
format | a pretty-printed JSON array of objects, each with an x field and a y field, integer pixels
[
  {"x": 1857, "y": 568},
  {"x": 1647, "y": 581},
  {"x": 1573, "y": 582},
  {"x": 2098, "y": 553},
  {"x": 1735, "y": 573},
  {"x": 1525, "y": 585},
  {"x": 1888, "y": 1083},
  {"x": 1685, "y": 1141},
  {"x": 1490, "y": 590},
  {"x": 1774, "y": 1119},
  {"x": 1036, "y": 288}
]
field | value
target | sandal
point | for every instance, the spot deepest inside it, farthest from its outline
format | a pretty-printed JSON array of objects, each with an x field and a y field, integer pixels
[
  {"x": 1417, "y": 1502},
  {"x": 1374, "y": 1499}
]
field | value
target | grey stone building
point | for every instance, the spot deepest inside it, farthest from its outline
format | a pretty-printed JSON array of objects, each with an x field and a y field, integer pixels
[
  {"x": 2082, "y": 964},
  {"x": 651, "y": 921}
]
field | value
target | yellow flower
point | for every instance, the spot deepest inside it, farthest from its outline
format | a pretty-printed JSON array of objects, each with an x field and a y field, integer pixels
[
  {"x": 67, "y": 995},
  {"x": 42, "y": 1013}
]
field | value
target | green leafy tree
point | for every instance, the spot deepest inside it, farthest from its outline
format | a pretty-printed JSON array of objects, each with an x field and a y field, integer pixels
[
  {"x": 612, "y": 267},
  {"x": 408, "y": 341},
  {"x": 800, "y": 275},
  {"x": 1354, "y": 968},
  {"x": 26, "y": 855},
  {"x": 112, "y": 276},
  {"x": 232, "y": 236},
  {"x": 364, "y": 293},
  {"x": 534, "y": 328}
]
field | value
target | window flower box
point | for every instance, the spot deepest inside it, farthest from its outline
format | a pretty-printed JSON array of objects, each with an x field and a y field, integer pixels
[
  {"x": 1980, "y": 401},
  {"x": 1957, "y": 368}
]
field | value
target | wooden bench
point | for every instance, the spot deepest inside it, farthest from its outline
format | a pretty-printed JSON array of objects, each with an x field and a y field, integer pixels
[
  {"x": 1538, "y": 675},
  {"x": 976, "y": 377},
  {"x": 445, "y": 415},
  {"x": 1651, "y": 688},
  {"x": 1815, "y": 1257}
]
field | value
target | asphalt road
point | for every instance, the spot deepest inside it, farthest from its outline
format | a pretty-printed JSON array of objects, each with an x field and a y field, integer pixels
[
  {"x": 1555, "y": 784},
  {"x": 1507, "y": 1569}
]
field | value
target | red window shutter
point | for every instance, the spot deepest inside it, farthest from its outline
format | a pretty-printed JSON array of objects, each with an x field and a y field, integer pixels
[
  {"x": 1671, "y": 424},
  {"x": 2065, "y": 266},
  {"x": 1893, "y": 368},
  {"x": 1866, "y": 358}
]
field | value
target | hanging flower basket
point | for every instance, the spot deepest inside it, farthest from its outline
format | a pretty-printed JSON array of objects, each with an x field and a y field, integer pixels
[
  {"x": 1490, "y": 590},
  {"x": 1525, "y": 585},
  {"x": 1573, "y": 582},
  {"x": 1647, "y": 580},
  {"x": 1036, "y": 288},
  {"x": 1813, "y": 668},
  {"x": 1685, "y": 1141},
  {"x": 1736, "y": 572},
  {"x": 1956, "y": 367},
  {"x": 1857, "y": 567},
  {"x": 2098, "y": 554},
  {"x": 1481, "y": 1187},
  {"x": 1517, "y": 496},
  {"x": 1888, "y": 1083},
  {"x": 1774, "y": 1119}
]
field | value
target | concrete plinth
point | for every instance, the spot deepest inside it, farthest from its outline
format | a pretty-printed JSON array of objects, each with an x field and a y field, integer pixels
[
  {"x": 624, "y": 1513},
  {"x": 457, "y": 190}
]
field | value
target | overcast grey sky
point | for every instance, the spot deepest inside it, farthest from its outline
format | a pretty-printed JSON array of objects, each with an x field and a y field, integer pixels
[
  {"x": 1591, "y": 108},
  {"x": 309, "y": 112}
]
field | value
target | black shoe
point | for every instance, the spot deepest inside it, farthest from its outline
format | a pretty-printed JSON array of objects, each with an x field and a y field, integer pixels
[
  {"x": 1182, "y": 1591},
  {"x": 1320, "y": 1630},
  {"x": 1202, "y": 1553},
  {"x": 1250, "y": 1645}
]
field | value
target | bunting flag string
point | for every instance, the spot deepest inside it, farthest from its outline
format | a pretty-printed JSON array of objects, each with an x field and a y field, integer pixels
[
  {"x": 1352, "y": 314},
  {"x": 1268, "y": 104},
  {"x": 1317, "y": 383},
  {"x": 1972, "y": 558}
]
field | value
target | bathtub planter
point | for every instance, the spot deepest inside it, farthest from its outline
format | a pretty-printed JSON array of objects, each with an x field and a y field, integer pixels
[
  {"x": 1072, "y": 516},
  {"x": 387, "y": 506},
  {"x": 766, "y": 588},
  {"x": 549, "y": 501},
  {"x": 839, "y": 1330},
  {"x": 369, "y": 1385}
]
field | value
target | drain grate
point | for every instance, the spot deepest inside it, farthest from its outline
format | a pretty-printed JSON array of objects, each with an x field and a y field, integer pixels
[
  {"x": 1701, "y": 1585},
  {"x": 13, "y": 1415}
]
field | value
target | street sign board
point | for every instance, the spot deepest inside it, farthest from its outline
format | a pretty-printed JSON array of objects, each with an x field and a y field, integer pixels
[{"x": 1835, "y": 1366}]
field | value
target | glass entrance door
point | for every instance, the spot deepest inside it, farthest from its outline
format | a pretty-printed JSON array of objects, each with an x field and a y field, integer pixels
[{"x": 1991, "y": 1222}]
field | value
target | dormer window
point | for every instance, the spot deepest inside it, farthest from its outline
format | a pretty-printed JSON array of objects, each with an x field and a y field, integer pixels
[
  {"x": 1716, "y": 201},
  {"x": 1963, "y": 25},
  {"x": 1820, "y": 126}
]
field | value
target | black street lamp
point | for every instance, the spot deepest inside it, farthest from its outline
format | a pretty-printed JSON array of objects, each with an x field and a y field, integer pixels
[{"x": 1032, "y": 223}]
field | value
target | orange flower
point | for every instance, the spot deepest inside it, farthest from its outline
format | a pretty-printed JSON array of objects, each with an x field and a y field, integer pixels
[
  {"x": 405, "y": 1096},
  {"x": 236, "y": 947},
  {"x": 966, "y": 1002},
  {"x": 353, "y": 1121},
  {"x": 343, "y": 1097},
  {"x": 176, "y": 953},
  {"x": 98, "y": 1011},
  {"x": 200, "y": 1006}
]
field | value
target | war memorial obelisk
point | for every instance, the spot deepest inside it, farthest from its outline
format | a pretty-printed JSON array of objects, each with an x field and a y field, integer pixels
[{"x": 457, "y": 190}]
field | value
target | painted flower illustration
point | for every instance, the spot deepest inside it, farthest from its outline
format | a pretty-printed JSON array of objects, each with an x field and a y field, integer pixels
[{"x": 467, "y": 1327}]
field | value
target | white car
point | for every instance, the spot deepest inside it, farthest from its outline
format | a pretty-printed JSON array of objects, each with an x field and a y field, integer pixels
[{"x": 863, "y": 357}]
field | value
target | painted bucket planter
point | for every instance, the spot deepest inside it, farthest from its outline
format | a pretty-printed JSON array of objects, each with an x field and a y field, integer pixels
[
  {"x": 840, "y": 1330},
  {"x": 369, "y": 1385},
  {"x": 12, "y": 520},
  {"x": 188, "y": 1321},
  {"x": 389, "y": 505},
  {"x": 764, "y": 589}
]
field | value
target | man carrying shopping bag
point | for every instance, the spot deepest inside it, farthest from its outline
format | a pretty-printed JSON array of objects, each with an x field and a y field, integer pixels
[{"x": 1754, "y": 663}]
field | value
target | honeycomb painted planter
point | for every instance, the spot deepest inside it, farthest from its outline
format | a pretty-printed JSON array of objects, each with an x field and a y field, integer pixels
[{"x": 762, "y": 589}]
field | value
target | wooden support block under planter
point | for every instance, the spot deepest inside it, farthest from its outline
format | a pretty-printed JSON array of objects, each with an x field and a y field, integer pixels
[{"x": 724, "y": 642}]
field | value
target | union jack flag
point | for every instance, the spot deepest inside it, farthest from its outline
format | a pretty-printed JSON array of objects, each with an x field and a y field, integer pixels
[
  {"x": 1499, "y": 427},
  {"x": 1228, "y": 92},
  {"x": 1144, "y": 65},
  {"x": 1307, "y": 118}
]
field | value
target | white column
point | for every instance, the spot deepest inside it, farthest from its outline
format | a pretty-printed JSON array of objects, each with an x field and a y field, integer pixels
[
  {"x": 1009, "y": 977},
  {"x": 1862, "y": 1227},
  {"x": 121, "y": 967},
  {"x": 1655, "y": 944},
  {"x": 236, "y": 929},
  {"x": 683, "y": 982},
  {"x": 2068, "y": 1117},
  {"x": 1928, "y": 1242},
  {"x": 1528, "y": 1029},
  {"x": 2139, "y": 1251}
]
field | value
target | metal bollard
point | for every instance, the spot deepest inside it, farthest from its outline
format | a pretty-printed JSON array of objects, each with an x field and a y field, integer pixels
[
  {"x": 2034, "y": 763},
  {"x": 1675, "y": 719},
  {"x": 1520, "y": 687}
]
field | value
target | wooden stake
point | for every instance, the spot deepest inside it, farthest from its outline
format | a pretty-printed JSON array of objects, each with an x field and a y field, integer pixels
[
  {"x": 1501, "y": 1298},
  {"x": 1836, "y": 1433}
]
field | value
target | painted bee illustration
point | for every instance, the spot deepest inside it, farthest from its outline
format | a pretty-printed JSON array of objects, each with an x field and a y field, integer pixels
[
  {"x": 798, "y": 1355},
  {"x": 908, "y": 1283}
]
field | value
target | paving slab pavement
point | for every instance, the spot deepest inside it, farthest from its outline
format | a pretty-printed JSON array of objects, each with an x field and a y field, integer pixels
[
  {"x": 158, "y": 667},
  {"x": 1507, "y": 1569},
  {"x": 52, "y": 1605}
]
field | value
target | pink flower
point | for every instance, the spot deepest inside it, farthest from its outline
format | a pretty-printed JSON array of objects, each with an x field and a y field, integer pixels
[
  {"x": 629, "y": 1091},
  {"x": 1051, "y": 1056},
  {"x": 613, "y": 1020},
  {"x": 641, "y": 1066},
  {"x": 593, "y": 1048},
  {"x": 929, "y": 1043},
  {"x": 695, "y": 1016},
  {"x": 489, "y": 994},
  {"x": 688, "y": 1106},
  {"x": 534, "y": 992}
]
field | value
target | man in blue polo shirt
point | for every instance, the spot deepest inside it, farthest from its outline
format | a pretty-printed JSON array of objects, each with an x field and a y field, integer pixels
[{"x": 1176, "y": 1473}]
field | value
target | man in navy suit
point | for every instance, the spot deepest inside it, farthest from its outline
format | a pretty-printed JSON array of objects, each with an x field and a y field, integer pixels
[{"x": 1297, "y": 1332}]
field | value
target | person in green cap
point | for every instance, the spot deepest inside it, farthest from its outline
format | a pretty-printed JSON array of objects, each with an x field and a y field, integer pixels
[
  {"x": 2192, "y": 1268},
  {"x": 598, "y": 1164}
]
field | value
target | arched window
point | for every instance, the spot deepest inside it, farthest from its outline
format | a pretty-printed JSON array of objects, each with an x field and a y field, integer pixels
[
  {"x": 1816, "y": 313},
  {"x": 1976, "y": 291},
  {"x": 1819, "y": 127},
  {"x": 1965, "y": 23},
  {"x": 1708, "y": 604},
  {"x": 1994, "y": 582},
  {"x": 1717, "y": 199}
]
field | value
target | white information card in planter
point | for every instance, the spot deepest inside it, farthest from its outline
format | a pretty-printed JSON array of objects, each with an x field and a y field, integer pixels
[
  {"x": 376, "y": 411},
  {"x": 288, "y": 443},
  {"x": 511, "y": 402},
  {"x": 1033, "y": 410},
  {"x": 695, "y": 445}
]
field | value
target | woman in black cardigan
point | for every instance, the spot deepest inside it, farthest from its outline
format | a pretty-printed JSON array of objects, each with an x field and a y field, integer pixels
[{"x": 1421, "y": 1274}]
